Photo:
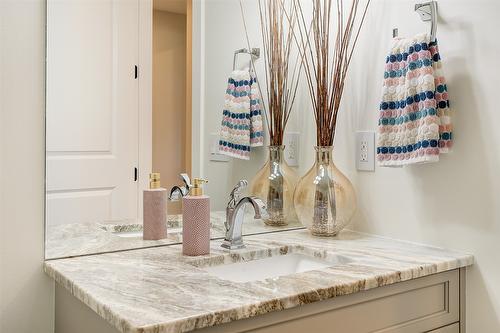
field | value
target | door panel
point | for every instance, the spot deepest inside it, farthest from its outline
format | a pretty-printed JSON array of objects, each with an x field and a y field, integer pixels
[{"x": 92, "y": 110}]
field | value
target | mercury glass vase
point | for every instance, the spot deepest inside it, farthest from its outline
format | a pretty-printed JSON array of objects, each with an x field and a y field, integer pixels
[
  {"x": 324, "y": 199},
  {"x": 275, "y": 184}
]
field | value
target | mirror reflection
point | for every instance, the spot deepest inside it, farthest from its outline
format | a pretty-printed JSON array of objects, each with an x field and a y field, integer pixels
[{"x": 140, "y": 92}]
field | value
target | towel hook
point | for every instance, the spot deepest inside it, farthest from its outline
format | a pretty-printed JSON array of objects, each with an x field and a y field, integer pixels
[
  {"x": 428, "y": 13},
  {"x": 254, "y": 52}
]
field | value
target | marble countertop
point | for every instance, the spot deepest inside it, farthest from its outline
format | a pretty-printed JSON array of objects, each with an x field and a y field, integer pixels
[
  {"x": 159, "y": 290},
  {"x": 76, "y": 239}
]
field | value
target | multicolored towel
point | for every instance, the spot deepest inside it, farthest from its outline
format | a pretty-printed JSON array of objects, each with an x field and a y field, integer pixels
[
  {"x": 415, "y": 124},
  {"x": 242, "y": 116}
]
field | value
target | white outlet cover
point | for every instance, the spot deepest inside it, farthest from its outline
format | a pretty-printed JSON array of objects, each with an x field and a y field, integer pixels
[{"x": 365, "y": 151}]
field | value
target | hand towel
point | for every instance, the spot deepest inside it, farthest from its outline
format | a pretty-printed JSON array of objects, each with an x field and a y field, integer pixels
[
  {"x": 242, "y": 126},
  {"x": 415, "y": 123}
]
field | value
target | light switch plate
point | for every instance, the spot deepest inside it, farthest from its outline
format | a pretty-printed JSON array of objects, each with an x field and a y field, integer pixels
[
  {"x": 215, "y": 156},
  {"x": 292, "y": 143},
  {"x": 365, "y": 151}
]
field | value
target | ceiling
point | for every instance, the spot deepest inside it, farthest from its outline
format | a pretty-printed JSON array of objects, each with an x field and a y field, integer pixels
[{"x": 174, "y": 6}]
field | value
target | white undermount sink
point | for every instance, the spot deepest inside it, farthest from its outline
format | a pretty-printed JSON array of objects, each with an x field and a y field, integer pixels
[{"x": 272, "y": 267}]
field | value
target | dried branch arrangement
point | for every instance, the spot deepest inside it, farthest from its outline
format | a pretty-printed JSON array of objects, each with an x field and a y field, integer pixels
[
  {"x": 282, "y": 64},
  {"x": 326, "y": 65}
]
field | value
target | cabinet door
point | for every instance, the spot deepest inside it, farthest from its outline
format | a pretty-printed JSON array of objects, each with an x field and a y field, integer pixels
[{"x": 455, "y": 328}]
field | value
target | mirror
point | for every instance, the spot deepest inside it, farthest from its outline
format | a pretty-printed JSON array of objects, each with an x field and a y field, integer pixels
[{"x": 134, "y": 87}]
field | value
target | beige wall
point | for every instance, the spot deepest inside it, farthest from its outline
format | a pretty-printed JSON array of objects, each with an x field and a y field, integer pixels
[
  {"x": 169, "y": 98},
  {"x": 26, "y": 294}
]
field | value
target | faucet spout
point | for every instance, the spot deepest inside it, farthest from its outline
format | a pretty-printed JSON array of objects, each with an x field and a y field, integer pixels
[
  {"x": 234, "y": 221},
  {"x": 258, "y": 205}
]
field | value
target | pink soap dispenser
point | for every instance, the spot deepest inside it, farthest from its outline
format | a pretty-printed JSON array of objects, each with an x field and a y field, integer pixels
[
  {"x": 196, "y": 220},
  {"x": 154, "y": 210}
]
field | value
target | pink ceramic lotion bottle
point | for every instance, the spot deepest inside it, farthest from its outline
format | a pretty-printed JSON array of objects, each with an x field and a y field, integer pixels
[
  {"x": 196, "y": 221},
  {"x": 154, "y": 210}
]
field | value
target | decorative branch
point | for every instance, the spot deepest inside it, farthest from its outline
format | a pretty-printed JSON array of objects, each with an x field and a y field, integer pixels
[
  {"x": 282, "y": 72},
  {"x": 326, "y": 72}
]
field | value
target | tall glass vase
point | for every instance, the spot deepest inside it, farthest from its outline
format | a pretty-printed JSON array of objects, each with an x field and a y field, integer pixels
[
  {"x": 275, "y": 183},
  {"x": 324, "y": 199}
]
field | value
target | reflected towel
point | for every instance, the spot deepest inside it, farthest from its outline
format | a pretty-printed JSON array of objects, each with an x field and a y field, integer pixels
[
  {"x": 414, "y": 124},
  {"x": 242, "y": 117}
]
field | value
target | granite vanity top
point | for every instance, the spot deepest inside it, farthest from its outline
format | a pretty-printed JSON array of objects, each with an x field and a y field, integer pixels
[
  {"x": 77, "y": 239},
  {"x": 159, "y": 290}
]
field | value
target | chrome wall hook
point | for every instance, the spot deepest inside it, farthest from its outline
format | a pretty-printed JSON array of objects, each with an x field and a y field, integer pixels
[
  {"x": 428, "y": 13},
  {"x": 254, "y": 52}
]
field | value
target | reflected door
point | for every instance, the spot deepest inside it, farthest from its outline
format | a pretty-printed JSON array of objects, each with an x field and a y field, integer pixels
[{"x": 92, "y": 110}]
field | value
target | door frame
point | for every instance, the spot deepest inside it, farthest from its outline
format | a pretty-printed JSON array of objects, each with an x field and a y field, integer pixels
[
  {"x": 189, "y": 87},
  {"x": 197, "y": 102},
  {"x": 145, "y": 64}
]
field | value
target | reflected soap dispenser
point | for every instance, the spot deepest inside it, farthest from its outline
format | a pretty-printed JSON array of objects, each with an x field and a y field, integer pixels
[
  {"x": 196, "y": 221},
  {"x": 154, "y": 210}
]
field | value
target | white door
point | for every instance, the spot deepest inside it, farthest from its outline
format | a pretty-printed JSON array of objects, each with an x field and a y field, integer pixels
[{"x": 92, "y": 110}]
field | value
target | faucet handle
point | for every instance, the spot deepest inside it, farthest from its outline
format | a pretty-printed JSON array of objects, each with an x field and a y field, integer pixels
[
  {"x": 187, "y": 181},
  {"x": 236, "y": 192},
  {"x": 177, "y": 192}
]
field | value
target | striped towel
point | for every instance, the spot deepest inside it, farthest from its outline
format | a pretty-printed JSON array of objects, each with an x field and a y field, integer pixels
[
  {"x": 414, "y": 124},
  {"x": 242, "y": 117}
]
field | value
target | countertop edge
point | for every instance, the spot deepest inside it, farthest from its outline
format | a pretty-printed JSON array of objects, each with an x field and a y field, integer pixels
[
  {"x": 173, "y": 326},
  {"x": 95, "y": 305},
  {"x": 250, "y": 310}
]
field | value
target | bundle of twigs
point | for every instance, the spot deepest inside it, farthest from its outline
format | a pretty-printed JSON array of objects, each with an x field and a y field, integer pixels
[
  {"x": 282, "y": 64},
  {"x": 326, "y": 65}
]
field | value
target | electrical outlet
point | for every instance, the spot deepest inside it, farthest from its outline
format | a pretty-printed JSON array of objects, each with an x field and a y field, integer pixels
[
  {"x": 291, "y": 142},
  {"x": 365, "y": 151}
]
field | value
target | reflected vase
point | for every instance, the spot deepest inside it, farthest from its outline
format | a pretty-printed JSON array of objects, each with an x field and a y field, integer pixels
[
  {"x": 275, "y": 184},
  {"x": 325, "y": 200}
]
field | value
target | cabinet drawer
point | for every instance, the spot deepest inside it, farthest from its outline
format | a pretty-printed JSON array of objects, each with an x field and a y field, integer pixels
[{"x": 414, "y": 306}]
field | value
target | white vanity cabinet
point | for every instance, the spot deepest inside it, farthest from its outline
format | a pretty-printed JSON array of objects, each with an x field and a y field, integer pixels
[
  {"x": 434, "y": 303},
  {"x": 428, "y": 304}
]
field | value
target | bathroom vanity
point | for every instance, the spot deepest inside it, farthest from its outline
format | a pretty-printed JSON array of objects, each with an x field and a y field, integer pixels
[
  {"x": 281, "y": 282},
  {"x": 147, "y": 88}
]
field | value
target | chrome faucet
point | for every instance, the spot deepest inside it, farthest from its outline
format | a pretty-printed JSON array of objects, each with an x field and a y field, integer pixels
[
  {"x": 235, "y": 213},
  {"x": 177, "y": 192}
]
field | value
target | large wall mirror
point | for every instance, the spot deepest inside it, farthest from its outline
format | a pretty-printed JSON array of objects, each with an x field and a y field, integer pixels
[{"x": 134, "y": 87}]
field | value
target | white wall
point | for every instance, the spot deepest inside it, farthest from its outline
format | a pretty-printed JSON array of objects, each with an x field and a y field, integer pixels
[
  {"x": 225, "y": 33},
  {"x": 26, "y": 294},
  {"x": 453, "y": 203}
]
